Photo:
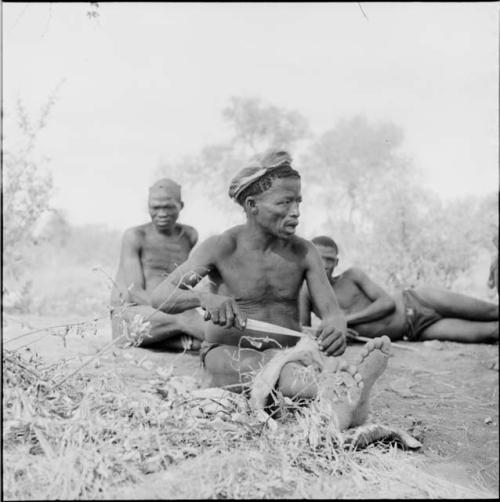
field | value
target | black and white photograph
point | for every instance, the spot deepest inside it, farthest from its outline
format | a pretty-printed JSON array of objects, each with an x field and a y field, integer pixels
[{"x": 250, "y": 250}]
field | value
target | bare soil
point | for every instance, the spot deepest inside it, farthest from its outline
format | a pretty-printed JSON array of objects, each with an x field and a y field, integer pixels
[{"x": 444, "y": 393}]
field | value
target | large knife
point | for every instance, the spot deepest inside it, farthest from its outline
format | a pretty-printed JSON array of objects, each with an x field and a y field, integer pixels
[{"x": 268, "y": 328}]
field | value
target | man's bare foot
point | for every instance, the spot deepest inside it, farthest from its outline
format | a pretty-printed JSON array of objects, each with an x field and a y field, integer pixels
[
  {"x": 340, "y": 391},
  {"x": 370, "y": 364}
]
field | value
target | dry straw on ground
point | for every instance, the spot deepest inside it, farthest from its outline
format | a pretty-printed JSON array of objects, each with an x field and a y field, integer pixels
[{"x": 74, "y": 435}]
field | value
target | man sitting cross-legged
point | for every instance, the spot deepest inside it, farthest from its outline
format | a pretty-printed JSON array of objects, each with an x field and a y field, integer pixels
[
  {"x": 422, "y": 313},
  {"x": 149, "y": 253},
  {"x": 256, "y": 271}
]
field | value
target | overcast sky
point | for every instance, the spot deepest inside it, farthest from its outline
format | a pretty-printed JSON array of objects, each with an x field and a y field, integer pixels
[{"x": 145, "y": 82}]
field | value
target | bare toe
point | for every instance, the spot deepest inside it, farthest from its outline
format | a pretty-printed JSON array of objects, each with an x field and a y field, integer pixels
[
  {"x": 385, "y": 344},
  {"x": 368, "y": 347}
]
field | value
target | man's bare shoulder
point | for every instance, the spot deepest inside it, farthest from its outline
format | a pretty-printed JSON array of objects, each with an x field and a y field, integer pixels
[
  {"x": 359, "y": 276},
  {"x": 228, "y": 240},
  {"x": 135, "y": 234},
  {"x": 190, "y": 232},
  {"x": 354, "y": 272},
  {"x": 224, "y": 243},
  {"x": 302, "y": 246}
]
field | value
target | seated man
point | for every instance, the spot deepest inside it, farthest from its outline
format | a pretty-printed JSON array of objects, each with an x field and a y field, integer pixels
[
  {"x": 256, "y": 270},
  {"x": 150, "y": 252},
  {"x": 422, "y": 313}
]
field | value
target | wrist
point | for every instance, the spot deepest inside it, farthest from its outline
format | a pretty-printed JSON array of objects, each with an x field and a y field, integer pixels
[{"x": 201, "y": 296}]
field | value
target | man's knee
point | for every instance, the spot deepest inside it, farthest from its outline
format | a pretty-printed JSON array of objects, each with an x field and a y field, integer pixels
[{"x": 298, "y": 380}]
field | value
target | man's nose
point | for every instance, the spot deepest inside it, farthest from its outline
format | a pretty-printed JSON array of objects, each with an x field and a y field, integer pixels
[{"x": 294, "y": 209}]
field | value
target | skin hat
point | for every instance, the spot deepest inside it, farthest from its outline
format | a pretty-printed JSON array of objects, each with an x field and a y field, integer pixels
[
  {"x": 258, "y": 167},
  {"x": 166, "y": 187}
]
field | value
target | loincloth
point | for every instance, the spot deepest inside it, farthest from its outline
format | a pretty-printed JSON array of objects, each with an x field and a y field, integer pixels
[{"x": 419, "y": 315}]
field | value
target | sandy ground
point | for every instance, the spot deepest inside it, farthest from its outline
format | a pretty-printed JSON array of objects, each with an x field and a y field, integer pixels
[{"x": 444, "y": 393}]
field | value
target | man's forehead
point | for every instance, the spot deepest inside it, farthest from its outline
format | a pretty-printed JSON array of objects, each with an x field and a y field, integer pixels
[
  {"x": 162, "y": 200},
  {"x": 326, "y": 251}
]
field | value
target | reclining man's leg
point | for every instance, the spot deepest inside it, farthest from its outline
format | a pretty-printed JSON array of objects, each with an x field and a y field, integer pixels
[
  {"x": 166, "y": 331},
  {"x": 460, "y": 330},
  {"x": 458, "y": 306}
]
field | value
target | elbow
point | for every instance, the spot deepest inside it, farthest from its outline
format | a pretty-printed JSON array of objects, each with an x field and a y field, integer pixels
[
  {"x": 391, "y": 305},
  {"x": 155, "y": 300}
]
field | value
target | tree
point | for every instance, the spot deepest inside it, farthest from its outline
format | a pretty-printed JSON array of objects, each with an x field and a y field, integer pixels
[
  {"x": 348, "y": 158},
  {"x": 258, "y": 127},
  {"x": 27, "y": 189},
  {"x": 255, "y": 127}
]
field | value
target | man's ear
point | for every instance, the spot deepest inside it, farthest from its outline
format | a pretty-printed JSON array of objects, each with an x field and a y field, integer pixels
[
  {"x": 182, "y": 204},
  {"x": 250, "y": 205}
]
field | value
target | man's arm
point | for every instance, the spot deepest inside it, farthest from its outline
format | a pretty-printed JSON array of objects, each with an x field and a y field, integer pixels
[
  {"x": 131, "y": 268},
  {"x": 333, "y": 329},
  {"x": 192, "y": 235},
  {"x": 304, "y": 306},
  {"x": 382, "y": 303},
  {"x": 175, "y": 294}
]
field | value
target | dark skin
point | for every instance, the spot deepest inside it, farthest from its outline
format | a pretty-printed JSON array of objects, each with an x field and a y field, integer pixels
[
  {"x": 371, "y": 311},
  {"x": 149, "y": 252},
  {"x": 256, "y": 270}
]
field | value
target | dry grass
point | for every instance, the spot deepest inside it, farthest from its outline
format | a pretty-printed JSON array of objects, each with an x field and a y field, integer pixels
[{"x": 95, "y": 437}]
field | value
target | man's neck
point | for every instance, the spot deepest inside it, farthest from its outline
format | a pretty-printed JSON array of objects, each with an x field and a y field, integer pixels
[
  {"x": 258, "y": 238},
  {"x": 171, "y": 231}
]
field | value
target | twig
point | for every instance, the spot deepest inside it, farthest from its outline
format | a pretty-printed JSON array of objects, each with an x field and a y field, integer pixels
[
  {"x": 95, "y": 356},
  {"x": 54, "y": 327},
  {"x": 13, "y": 360},
  {"x": 19, "y": 17},
  {"x": 362, "y": 11},
  {"x": 352, "y": 336}
]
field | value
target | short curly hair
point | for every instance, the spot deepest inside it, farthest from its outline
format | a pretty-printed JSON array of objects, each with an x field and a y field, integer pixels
[
  {"x": 264, "y": 183},
  {"x": 324, "y": 240}
]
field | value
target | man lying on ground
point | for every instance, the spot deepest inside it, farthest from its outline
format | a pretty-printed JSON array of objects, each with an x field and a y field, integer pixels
[
  {"x": 150, "y": 252},
  {"x": 256, "y": 271},
  {"x": 422, "y": 313}
]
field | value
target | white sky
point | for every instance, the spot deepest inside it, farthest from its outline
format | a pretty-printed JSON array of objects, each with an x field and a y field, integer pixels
[{"x": 148, "y": 81}]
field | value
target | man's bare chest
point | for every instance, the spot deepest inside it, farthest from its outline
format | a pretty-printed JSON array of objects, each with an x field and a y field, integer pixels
[
  {"x": 162, "y": 253},
  {"x": 350, "y": 297},
  {"x": 272, "y": 276}
]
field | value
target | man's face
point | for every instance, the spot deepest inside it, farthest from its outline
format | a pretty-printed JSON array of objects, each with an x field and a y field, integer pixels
[
  {"x": 278, "y": 207},
  {"x": 329, "y": 257},
  {"x": 164, "y": 211}
]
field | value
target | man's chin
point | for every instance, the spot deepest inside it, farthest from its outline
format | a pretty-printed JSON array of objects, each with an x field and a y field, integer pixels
[
  {"x": 164, "y": 226},
  {"x": 287, "y": 232}
]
